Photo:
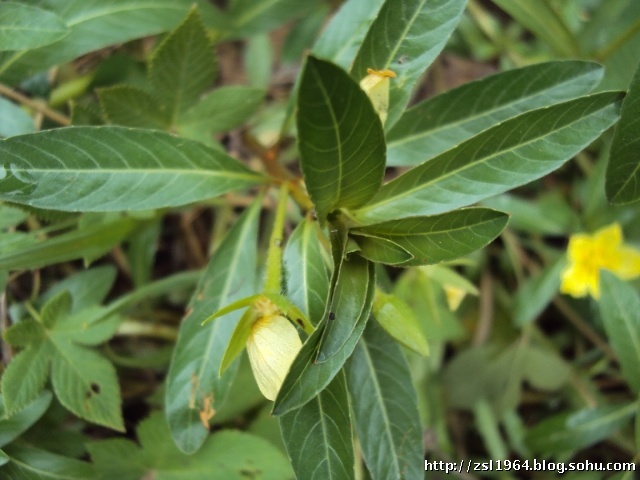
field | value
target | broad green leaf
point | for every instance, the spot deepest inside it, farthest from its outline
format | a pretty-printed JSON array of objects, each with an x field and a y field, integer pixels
[
  {"x": 23, "y": 27},
  {"x": 93, "y": 24},
  {"x": 133, "y": 107},
  {"x": 183, "y": 66},
  {"x": 399, "y": 321},
  {"x": 318, "y": 435},
  {"x": 381, "y": 250},
  {"x": 222, "y": 110},
  {"x": 14, "y": 120},
  {"x": 114, "y": 168},
  {"x": 623, "y": 172},
  {"x": 226, "y": 455},
  {"x": 86, "y": 384},
  {"x": 385, "y": 407},
  {"x": 443, "y": 121},
  {"x": 533, "y": 296},
  {"x": 193, "y": 374},
  {"x": 441, "y": 237},
  {"x": 341, "y": 140},
  {"x": 341, "y": 39},
  {"x": 505, "y": 156},
  {"x": 30, "y": 463},
  {"x": 11, "y": 428},
  {"x": 620, "y": 312},
  {"x": 92, "y": 241},
  {"x": 349, "y": 308},
  {"x": 573, "y": 431},
  {"x": 306, "y": 279},
  {"x": 248, "y": 17},
  {"x": 539, "y": 17},
  {"x": 405, "y": 37},
  {"x": 306, "y": 378},
  {"x": 25, "y": 376}
]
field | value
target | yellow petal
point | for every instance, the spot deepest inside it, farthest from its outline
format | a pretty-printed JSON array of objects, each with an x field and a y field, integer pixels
[
  {"x": 629, "y": 267},
  {"x": 454, "y": 296},
  {"x": 272, "y": 346}
]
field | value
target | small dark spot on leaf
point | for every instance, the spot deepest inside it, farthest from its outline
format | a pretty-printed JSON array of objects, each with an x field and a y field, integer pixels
[
  {"x": 332, "y": 316},
  {"x": 95, "y": 388},
  {"x": 299, "y": 322},
  {"x": 247, "y": 473}
]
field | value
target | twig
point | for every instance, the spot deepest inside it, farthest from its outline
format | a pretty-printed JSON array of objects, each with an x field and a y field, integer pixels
[{"x": 35, "y": 105}]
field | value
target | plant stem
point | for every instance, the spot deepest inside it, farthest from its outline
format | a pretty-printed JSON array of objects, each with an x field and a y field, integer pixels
[{"x": 35, "y": 105}]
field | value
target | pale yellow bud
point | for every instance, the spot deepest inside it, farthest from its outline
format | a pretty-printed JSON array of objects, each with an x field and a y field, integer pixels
[
  {"x": 272, "y": 345},
  {"x": 376, "y": 86}
]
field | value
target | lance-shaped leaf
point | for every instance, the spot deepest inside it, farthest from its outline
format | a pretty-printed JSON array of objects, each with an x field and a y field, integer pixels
[
  {"x": 306, "y": 271},
  {"x": 193, "y": 381},
  {"x": 341, "y": 141},
  {"x": 114, "y": 168},
  {"x": 385, "y": 407},
  {"x": 306, "y": 378},
  {"x": 443, "y": 237},
  {"x": 444, "y": 121},
  {"x": 399, "y": 321},
  {"x": 508, "y": 155},
  {"x": 406, "y": 37},
  {"x": 620, "y": 311},
  {"x": 93, "y": 25},
  {"x": 623, "y": 172},
  {"x": 318, "y": 435},
  {"x": 349, "y": 307},
  {"x": 341, "y": 39},
  {"x": 183, "y": 66},
  {"x": 23, "y": 27}
]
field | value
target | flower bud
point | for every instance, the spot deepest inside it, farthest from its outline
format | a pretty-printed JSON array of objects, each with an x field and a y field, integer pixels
[
  {"x": 376, "y": 86},
  {"x": 272, "y": 345}
]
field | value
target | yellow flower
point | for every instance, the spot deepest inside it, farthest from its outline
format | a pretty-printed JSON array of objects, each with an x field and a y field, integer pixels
[
  {"x": 376, "y": 86},
  {"x": 272, "y": 346},
  {"x": 590, "y": 253}
]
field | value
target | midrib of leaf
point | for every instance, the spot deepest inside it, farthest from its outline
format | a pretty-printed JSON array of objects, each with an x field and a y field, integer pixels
[
  {"x": 20, "y": 29},
  {"x": 336, "y": 129},
  {"x": 250, "y": 14},
  {"x": 404, "y": 35},
  {"x": 159, "y": 171},
  {"x": 476, "y": 116},
  {"x": 466, "y": 166},
  {"x": 422, "y": 234},
  {"x": 609, "y": 418},
  {"x": 385, "y": 416},
  {"x": 325, "y": 435}
]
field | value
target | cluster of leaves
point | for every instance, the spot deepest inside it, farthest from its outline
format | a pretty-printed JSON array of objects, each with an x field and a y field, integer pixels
[{"x": 361, "y": 367}]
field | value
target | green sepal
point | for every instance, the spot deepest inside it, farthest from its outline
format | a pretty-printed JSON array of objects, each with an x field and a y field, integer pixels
[{"x": 238, "y": 339}]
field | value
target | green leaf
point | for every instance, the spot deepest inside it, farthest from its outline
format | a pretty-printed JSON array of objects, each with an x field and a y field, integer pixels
[
  {"x": 11, "y": 428},
  {"x": 193, "y": 374},
  {"x": 4, "y": 458},
  {"x": 93, "y": 241},
  {"x": 620, "y": 311},
  {"x": 114, "y": 168},
  {"x": 306, "y": 378},
  {"x": 505, "y": 156},
  {"x": 577, "y": 430},
  {"x": 29, "y": 463},
  {"x": 25, "y": 376},
  {"x": 306, "y": 279},
  {"x": 248, "y": 17},
  {"x": 14, "y": 120},
  {"x": 318, "y": 435},
  {"x": 381, "y": 250},
  {"x": 541, "y": 19},
  {"x": 385, "y": 407},
  {"x": 23, "y": 27},
  {"x": 536, "y": 293},
  {"x": 258, "y": 60},
  {"x": 341, "y": 140},
  {"x": 238, "y": 340},
  {"x": 406, "y": 37},
  {"x": 623, "y": 172},
  {"x": 86, "y": 384},
  {"x": 87, "y": 288},
  {"x": 399, "y": 321},
  {"x": 341, "y": 39},
  {"x": 443, "y": 121},
  {"x": 442, "y": 237},
  {"x": 222, "y": 110},
  {"x": 93, "y": 25},
  {"x": 183, "y": 66},
  {"x": 349, "y": 308},
  {"x": 226, "y": 455},
  {"x": 133, "y": 107}
]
